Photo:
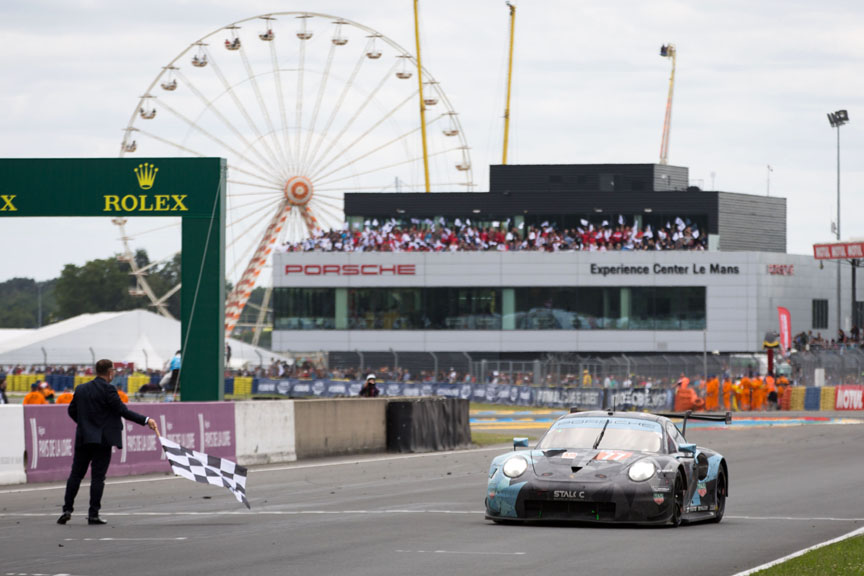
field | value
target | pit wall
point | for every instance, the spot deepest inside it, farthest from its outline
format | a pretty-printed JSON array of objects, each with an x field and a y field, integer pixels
[
  {"x": 340, "y": 426},
  {"x": 38, "y": 441},
  {"x": 12, "y": 445}
]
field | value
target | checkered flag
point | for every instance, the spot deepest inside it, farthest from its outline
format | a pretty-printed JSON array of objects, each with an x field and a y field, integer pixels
[{"x": 200, "y": 467}]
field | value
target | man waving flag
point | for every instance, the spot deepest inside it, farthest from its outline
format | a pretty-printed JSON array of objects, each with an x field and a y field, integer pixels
[{"x": 200, "y": 467}]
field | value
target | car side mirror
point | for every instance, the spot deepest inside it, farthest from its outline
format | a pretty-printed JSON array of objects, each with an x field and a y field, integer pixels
[
  {"x": 689, "y": 449},
  {"x": 520, "y": 443}
]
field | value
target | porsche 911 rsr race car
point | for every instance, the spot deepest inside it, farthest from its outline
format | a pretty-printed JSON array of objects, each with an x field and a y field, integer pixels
[{"x": 626, "y": 467}]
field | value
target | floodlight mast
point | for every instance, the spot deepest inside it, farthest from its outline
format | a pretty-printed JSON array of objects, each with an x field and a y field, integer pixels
[
  {"x": 837, "y": 119},
  {"x": 668, "y": 51}
]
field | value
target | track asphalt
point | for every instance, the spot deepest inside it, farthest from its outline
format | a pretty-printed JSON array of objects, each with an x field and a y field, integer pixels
[{"x": 790, "y": 487}]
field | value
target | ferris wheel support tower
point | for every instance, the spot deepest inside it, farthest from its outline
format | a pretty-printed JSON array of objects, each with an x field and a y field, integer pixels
[{"x": 668, "y": 51}]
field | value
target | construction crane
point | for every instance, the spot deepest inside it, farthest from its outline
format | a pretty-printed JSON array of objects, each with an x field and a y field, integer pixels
[
  {"x": 509, "y": 81},
  {"x": 668, "y": 51}
]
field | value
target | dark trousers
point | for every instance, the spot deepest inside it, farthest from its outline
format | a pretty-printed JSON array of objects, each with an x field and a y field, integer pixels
[
  {"x": 172, "y": 385},
  {"x": 97, "y": 457}
]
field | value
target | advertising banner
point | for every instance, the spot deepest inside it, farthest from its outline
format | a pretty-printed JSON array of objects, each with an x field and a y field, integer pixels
[
  {"x": 785, "y": 329},
  {"x": 584, "y": 398},
  {"x": 640, "y": 399},
  {"x": 849, "y": 398},
  {"x": 50, "y": 438}
]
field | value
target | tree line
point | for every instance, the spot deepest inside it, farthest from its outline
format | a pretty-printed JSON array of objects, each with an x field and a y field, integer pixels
[
  {"x": 97, "y": 286},
  {"x": 104, "y": 286}
]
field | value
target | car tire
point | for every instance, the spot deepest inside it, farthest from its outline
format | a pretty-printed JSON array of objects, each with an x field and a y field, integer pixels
[
  {"x": 720, "y": 496},
  {"x": 678, "y": 497}
]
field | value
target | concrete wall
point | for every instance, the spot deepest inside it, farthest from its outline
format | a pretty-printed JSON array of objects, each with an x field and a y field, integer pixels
[
  {"x": 12, "y": 445},
  {"x": 340, "y": 426},
  {"x": 265, "y": 431}
]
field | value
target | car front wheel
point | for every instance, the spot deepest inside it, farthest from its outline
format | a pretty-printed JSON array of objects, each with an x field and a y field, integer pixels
[{"x": 678, "y": 502}]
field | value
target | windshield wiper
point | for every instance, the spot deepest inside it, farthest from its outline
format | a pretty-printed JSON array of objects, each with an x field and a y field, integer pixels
[{"x": 600, "y": 437}]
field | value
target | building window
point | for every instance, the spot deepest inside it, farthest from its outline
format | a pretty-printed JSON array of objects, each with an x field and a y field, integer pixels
[
  {"x": 424, "y": 309},
  {"x": 820, "y": 314},
  {"x": 304, "y": 308},
  {"x": 553, "y": 308},
  {"x": 610, "y": 308}
]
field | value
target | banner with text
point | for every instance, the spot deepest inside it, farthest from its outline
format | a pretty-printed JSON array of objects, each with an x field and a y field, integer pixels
[
  {"x": 50, "y": 438},
  {"x": 586, "y": 398}
]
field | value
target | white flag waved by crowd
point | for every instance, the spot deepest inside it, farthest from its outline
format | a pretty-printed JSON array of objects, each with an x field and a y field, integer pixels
[{"x": 200, "y": 467}]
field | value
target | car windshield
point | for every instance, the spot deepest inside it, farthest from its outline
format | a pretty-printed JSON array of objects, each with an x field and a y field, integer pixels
[{"x": 620, "y": 434}]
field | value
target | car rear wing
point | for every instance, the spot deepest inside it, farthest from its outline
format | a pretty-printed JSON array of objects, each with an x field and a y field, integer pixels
[{"x": 689, "y": 415}]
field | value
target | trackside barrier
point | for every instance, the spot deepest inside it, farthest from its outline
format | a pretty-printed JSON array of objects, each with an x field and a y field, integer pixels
[
  {"x": 22, "y": 382},
  {"x": 796, "y": 401},
  {"x": 428, "y": 424},
  {"x": 812, "y": 398},
  {"x": 265, "y": 431},
  {"x": 330, "y": 427},
  {"x": 12, "y": 446},
  {"x": 49, "y": 436},
  {"x": 827, "y": 398},
  {"x": 849, "y": 398},
  {"x": 786, "y": 399}
]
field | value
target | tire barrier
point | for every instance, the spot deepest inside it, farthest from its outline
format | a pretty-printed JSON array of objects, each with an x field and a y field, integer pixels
[
  {"x": 428, "y": 424},
  {"x": 812, "y": 398},
  {"x": 22, "y": 382},
  {"x": 827, "y": 398},
  {"x": 796, "y": 402}
]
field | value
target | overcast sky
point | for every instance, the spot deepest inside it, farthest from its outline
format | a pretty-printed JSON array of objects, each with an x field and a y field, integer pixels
[{"x": 754, "y": 83}]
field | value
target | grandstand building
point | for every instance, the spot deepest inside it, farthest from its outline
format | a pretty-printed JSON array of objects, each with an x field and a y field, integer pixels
[{"x": 718, "y": 292}]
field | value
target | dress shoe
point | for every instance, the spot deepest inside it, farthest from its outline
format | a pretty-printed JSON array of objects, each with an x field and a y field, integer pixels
[
  {"x": 65, "y": 517},
  {"x": 96, "y": 520}
]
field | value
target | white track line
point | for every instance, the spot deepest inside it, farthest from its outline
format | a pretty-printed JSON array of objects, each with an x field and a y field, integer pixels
[
  {"x": 465, "y": 552},
  {"x": 252, "y": 513},
  {"x": 393, "y": 511},
  {"x": 800, "y": 553},
  {"x": 806, "y": 519},
  {"x": 270, "y": 469}
]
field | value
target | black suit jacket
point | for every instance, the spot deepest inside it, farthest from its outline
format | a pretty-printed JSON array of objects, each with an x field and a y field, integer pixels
[{"x": 97, "y": 409}]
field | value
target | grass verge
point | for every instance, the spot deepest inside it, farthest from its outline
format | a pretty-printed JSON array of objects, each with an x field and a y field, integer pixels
[
  {"x": 486, "y": 407},
  {"x": 844, "y": 558},
  {"x": 490, "y": 439}
]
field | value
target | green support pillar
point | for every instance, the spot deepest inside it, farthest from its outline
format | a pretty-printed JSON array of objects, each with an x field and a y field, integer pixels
[{"x": 202, "y": 303}]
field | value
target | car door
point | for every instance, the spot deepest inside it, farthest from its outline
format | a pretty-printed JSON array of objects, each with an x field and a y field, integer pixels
[{"x": 688, "y": 461}]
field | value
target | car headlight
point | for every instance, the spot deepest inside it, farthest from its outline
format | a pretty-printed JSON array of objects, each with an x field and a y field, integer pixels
[
  {"x": 641, "y": 471},
  {"x": 515, "y": 466}
]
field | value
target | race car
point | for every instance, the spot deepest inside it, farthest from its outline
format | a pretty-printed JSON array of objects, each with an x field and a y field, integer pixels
[{"x": 607, "y": 466}]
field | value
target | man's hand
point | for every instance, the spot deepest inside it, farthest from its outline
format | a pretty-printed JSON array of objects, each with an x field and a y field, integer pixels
[{"x": 152, "y": 424}]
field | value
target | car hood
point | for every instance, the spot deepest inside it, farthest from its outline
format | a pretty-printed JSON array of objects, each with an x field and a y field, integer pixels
[{"x": 588, "y": 464}]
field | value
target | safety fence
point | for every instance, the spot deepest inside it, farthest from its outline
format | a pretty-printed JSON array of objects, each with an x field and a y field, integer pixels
[{"x": 832, "y": 367}]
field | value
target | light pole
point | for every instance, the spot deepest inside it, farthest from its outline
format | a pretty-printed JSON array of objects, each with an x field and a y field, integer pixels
[{"x": 837, "y": 119}]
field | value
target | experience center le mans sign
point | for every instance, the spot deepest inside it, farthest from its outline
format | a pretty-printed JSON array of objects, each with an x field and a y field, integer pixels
[{"x": 190, "y": 188}]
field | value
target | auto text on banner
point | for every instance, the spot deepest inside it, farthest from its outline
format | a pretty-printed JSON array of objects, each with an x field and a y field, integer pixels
[
  {"x": 849, "y": 398},
  {"x": 50, "y": 438}
]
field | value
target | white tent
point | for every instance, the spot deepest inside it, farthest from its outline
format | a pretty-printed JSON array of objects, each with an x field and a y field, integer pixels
[{"x": 147, "y": 339}]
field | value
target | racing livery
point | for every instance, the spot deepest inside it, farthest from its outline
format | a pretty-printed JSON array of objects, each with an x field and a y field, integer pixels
[{"x": 598, "y": 466}]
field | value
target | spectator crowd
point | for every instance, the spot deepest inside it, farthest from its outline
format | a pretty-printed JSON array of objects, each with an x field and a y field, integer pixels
[
  {"x": 807, "y": 341},
  {"x": 463, "y": 235}
]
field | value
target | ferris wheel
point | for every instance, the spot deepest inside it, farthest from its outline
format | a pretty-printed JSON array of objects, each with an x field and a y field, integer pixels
[{"x": 304, "y": 107}]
